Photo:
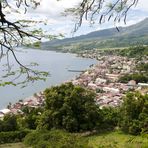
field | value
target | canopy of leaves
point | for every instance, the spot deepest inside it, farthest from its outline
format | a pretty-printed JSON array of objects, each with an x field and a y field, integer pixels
[
  {"x": 134, "y": 113},
  {"x": 71, "y": 108},
  {"x": 9, "y": 123},
  {"x": 134, "y": 52},
  {"x": 139, "y": 78}
]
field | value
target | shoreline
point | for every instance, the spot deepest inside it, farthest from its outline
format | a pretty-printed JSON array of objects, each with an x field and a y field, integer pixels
[
  {"x": 102, "y": 78},
  {"x": 70, "y": 77}
]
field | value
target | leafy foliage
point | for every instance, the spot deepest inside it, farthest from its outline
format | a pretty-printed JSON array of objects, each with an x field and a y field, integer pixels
[
  {"x": 139, "y": 78},
  {"x": 12, "y": 136},
  {"x": 117, "y": 139},
  {"x": 30, "y": 117},
  {"x": 134, "y": 113},
  {"x": 73, "y": 109},
  {"x": 135, "y": 52},
  {"x": 9, "y": 123},
  {"x": 54, "y": 138},
  {"x": 143, "y": 67},
  {"x": 110, "y": 118},
  {"x": 70, "y": 107}
]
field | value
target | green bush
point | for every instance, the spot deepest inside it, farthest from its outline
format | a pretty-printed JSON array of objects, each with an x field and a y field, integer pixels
[
  {"x": 110, "y": 118},
  {"x": 54, "y": 138},
  {"x": 139, "y": 78},
  {"x": 9, "y": 123},
  {"x": 134, "y": 52},
  {"x": 13, "y": 136},
  {"x": 143, "y": 67}
]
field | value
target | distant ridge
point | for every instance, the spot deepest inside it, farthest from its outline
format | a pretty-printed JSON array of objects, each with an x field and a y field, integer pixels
[{"x": 131, "y": 35}]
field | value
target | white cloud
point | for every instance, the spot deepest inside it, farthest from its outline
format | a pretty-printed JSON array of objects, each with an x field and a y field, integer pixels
[
  {"x": 142, "y": 5},
  {"x": 54, "y": 7},
  {"x": 50, "y": 12}
]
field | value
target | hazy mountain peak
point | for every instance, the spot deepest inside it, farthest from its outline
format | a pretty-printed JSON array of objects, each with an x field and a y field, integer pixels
[{"x": 132, "y": 35}]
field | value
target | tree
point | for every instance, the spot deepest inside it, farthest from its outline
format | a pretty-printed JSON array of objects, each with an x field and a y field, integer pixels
[
  {"x": 30, "y": 117},
  {"x": 9, "y": 123},
  {"x": 71, "y": 108},
  {"x": 133, "y": 113},
  {"x": 110, "y": 117}
]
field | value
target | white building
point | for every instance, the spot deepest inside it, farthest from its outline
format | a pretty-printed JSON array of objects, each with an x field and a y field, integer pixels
[{"x": 3, "y": 112}]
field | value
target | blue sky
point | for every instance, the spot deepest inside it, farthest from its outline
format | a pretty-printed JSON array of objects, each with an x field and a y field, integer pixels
[{"x": 50, "y": 12}]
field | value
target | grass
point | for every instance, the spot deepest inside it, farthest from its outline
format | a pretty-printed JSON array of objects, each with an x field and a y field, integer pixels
[
  {"x": 13, "y": 145},
  {"x": 106, "y": 140},
  {"x": 117, "y": 140}
]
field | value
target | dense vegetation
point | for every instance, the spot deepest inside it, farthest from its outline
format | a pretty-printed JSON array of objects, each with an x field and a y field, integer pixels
[
  {"x": 134, "y": 52},
  {"x": 134, "y": 114},
  {"x": 56, "y": 139},
  {"x": 117, "y": 140},
  {"x": 9, "y": 123},
  {"x": 139, "y": 78},
  {"x": 134, "y": 35},
  {"x": 13, "y": 136},
  {"x": 141, "y": 70},
  {"x": 30, "y": 118},
  {"x": 69, "y": 109},
  {"x": 143, "y": 67},
  {"x": 103, "y": 140}
]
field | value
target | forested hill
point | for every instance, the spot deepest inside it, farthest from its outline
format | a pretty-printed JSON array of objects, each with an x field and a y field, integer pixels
[{"x": 131, "y": 35}]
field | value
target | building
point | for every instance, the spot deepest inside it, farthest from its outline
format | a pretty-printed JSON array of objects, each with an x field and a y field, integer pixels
[{"x": 3, "y": 113}]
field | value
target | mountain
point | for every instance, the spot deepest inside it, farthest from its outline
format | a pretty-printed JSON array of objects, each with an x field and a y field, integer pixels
[{"x": 126, "y": 36}]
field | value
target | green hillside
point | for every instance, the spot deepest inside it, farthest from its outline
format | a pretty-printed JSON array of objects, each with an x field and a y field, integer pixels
[{"x": 136, "y": 34}]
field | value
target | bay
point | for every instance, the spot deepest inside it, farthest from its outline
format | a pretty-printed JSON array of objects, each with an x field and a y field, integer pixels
[{"x": 56, "y": 63}]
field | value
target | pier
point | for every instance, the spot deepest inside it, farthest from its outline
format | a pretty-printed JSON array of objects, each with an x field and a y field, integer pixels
[{"x": 70, "y": 70}]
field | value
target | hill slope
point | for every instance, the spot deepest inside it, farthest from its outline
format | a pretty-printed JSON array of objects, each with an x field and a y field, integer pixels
[{"x": 131, "y": 35}]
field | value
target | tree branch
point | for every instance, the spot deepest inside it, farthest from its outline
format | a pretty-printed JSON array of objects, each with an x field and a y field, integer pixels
[{"x": 99, "y": 10}]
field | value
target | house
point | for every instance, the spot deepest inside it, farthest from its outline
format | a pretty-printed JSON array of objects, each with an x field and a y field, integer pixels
[
  {"x": 143, "y": 84},
  {"x": 91, "y": 85},
  {"x": 100, "y": 81},
  {"x": 112, "y": 90},
  {"x": 131, "y": 83},
  {"x": 112, "y": 77},
  {"x": 3, "y": 113}
]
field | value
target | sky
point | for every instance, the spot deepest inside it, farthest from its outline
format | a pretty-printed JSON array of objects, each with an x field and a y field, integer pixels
[{"x": 50, "y": 13}]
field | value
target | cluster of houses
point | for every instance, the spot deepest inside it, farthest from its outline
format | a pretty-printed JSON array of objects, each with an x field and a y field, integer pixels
[
  {"x": 33, "y": 101},
  {"x": 103, "y": 79}
]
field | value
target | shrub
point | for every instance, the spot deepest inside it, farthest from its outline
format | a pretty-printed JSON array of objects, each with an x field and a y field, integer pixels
[
  {"x": 54, "y": 138},
  {"x": 13, "y": 136}
]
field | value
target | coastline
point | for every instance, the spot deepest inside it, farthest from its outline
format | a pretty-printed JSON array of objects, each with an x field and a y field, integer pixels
[
  {"x": 101, "y": 77},
  {"x": 73, "y": 64}
]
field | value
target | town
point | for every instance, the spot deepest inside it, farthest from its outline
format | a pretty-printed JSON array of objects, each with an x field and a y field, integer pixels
[{"x": 103, "y": 78}]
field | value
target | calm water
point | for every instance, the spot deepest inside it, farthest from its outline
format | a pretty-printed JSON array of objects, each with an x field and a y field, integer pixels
[{"x": 56, "y": 63}]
